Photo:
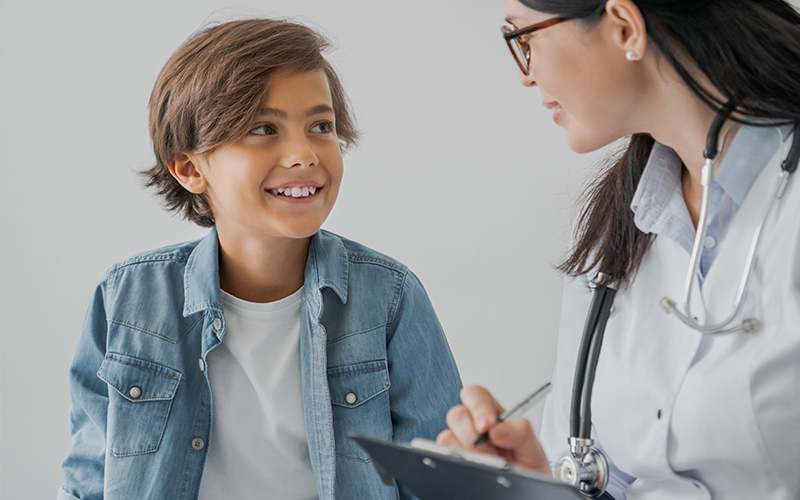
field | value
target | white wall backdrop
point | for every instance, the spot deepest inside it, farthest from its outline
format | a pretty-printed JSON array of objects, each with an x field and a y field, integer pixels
[{"x": 460, "y": 174}]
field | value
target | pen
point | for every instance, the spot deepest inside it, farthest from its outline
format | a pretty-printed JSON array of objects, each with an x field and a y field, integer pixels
[{"x": 519, "y": 410}]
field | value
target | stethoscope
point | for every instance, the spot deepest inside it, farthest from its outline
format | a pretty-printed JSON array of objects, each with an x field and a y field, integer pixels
[
  {"x": 788, "y": 167},
  {"x": 586, "y": 467}
]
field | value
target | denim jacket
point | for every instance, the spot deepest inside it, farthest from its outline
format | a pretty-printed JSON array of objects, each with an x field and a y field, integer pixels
[{"x": 141, "y": 399}]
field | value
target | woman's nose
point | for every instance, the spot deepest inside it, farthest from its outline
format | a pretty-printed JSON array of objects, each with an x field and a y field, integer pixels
[{"x": 527, "y": 80}]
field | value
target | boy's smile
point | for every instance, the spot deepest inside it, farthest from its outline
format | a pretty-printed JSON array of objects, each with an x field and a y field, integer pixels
[
  {"x": 296, "y": 191},
  {"x": 283, "y": 178}
]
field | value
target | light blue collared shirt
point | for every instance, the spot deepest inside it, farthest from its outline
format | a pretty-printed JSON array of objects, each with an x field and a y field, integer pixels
[{"x": 659, "y": 205}]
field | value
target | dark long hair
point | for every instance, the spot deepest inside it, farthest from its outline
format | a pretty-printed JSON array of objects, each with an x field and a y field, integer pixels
[{"x": 750, "y": 52}]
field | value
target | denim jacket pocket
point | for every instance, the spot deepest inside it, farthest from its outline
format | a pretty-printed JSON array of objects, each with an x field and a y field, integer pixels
[
  {"x": 140, "y": 398},
  {"x": 360, "y": 403}
]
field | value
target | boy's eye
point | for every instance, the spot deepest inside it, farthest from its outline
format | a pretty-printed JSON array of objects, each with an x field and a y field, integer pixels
[
  {"x": 323, "y": 127},
  {"x": 266, "y": 129}
]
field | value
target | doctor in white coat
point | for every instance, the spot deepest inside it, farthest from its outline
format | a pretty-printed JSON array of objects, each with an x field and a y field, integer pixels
[{"x": 679, "y": 414}]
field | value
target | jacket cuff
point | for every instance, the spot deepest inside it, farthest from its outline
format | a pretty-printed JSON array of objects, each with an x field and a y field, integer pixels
[{"x": 63, "y": 495}]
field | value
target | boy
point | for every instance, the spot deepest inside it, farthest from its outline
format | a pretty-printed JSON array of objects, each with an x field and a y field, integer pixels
[{"x": 285, "y": 336}]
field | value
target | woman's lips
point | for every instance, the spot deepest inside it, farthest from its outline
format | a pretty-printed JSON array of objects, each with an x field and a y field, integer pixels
[{"x": 558, "y": 111}]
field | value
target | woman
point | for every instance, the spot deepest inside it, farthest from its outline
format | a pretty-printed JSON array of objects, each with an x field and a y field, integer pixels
[{"x": 678, "y": 413}]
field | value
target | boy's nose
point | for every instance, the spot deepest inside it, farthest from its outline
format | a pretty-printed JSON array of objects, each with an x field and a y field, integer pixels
[{"x": 299, "y": 153}]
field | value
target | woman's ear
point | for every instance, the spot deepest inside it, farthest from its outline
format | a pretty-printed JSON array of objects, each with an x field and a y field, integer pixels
[
  {"x": 186, "y": 172},
  {"x": 630, "y": 32}
]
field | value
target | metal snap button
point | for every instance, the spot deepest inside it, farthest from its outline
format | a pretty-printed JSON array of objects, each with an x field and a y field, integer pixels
[
  {"x": 351, "y": 398},
  {"x": 202, "y": 364},
  {"x": 217, "y": 324},
  {"x": 135, "y": 392},
  {"x": 197, "y": 444}
]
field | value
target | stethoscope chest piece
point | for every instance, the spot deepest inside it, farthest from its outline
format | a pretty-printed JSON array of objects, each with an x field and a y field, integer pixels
[{"x": 586, "y": 468}]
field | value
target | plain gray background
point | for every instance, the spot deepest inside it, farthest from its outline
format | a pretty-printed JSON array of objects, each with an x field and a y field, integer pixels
[{"x": 460, "y": 174}]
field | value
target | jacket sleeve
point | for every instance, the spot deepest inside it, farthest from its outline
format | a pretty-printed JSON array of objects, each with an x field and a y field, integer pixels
[
  {"x": 83, "y": 469},
  {"x": 424, "y": 378}
]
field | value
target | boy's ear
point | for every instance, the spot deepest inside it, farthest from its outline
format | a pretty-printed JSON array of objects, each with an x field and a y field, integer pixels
[{"x": 185, "y": 171}]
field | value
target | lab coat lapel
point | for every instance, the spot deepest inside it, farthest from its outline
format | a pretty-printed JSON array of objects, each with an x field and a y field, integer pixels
[{"x": 651, "y": 364}]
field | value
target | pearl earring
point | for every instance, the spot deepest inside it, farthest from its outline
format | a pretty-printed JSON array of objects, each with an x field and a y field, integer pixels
[{"x": 630, "y": 55}]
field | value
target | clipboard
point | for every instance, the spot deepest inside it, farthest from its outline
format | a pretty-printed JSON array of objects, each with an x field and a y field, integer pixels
[{"x": 434, "y": 472}]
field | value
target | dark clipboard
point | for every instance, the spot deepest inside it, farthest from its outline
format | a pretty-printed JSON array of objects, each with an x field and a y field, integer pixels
[{"x": 432, "y": 475}]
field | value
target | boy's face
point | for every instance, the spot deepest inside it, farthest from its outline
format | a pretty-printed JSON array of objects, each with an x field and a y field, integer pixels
[{"x": 283, "y": 178}]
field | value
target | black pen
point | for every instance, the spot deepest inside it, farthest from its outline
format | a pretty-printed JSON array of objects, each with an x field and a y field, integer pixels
[{"x": 518, "y": 410}]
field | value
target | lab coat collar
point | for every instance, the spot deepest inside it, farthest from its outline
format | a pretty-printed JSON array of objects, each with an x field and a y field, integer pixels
[{"x": 660, "y": 184}]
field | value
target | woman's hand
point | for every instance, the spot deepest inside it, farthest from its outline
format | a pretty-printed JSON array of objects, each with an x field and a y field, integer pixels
[{"x": 513, "y": 440}]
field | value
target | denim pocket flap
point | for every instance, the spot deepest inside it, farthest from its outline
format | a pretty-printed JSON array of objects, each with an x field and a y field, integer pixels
[
  {"x": 138, "y": 380},
  {"x": 352, "y": 385}
]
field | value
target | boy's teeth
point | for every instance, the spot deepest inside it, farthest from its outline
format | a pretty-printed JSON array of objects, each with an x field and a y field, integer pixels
[{"x": 295, "y": 192}]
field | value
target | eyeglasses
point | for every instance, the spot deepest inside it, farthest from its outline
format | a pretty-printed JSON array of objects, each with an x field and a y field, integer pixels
[{"x": 519, "y": 46}]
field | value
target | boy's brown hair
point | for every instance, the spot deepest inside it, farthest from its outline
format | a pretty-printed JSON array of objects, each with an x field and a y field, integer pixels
[{"x": 210, "y": 91}]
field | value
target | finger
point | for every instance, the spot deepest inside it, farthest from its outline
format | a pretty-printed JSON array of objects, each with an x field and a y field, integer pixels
[
  {"x": 513, "y": 434},
  {"x": 517, "y": 437},
  {"x": 482, "y": 406},
  {"x": 463, "y": 429},
  {"x": 446, "y": 438}
]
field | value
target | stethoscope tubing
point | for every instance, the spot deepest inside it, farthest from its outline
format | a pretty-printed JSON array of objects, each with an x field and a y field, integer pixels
[
  {"x": 750, "y": 324},
  {"x": 588, "y": 355}
]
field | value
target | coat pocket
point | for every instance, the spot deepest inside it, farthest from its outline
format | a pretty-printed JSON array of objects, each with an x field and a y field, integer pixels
[
  {"x": 140, "y": 398},
  {"x": 360, "y": 401}
]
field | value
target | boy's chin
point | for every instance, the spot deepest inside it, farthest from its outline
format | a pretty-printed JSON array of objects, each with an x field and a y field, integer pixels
[{"x": 300, "y": 232}]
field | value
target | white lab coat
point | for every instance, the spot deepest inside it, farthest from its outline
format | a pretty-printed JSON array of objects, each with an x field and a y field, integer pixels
[{"x": 729, "y": 406}]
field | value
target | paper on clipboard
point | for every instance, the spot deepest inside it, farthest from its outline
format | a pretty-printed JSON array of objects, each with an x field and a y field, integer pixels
[{"x": 432, "y": 472}]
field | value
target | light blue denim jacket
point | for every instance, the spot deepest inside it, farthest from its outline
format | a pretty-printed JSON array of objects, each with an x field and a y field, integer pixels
[{"x": 367, "y": 327}]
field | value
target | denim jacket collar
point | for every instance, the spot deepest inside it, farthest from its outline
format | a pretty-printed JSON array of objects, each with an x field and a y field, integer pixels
[
  {"x": 326, "y": 267},
  {"x": 201, "y": 277},
  {"x": 327, "y": 264}
]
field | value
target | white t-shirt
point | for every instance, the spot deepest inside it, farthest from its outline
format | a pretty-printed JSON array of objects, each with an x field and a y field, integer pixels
[{"x": 258, "y": 446}]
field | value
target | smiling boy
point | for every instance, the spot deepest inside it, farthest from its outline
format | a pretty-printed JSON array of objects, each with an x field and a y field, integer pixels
[{"x": 282, "y": 335}]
